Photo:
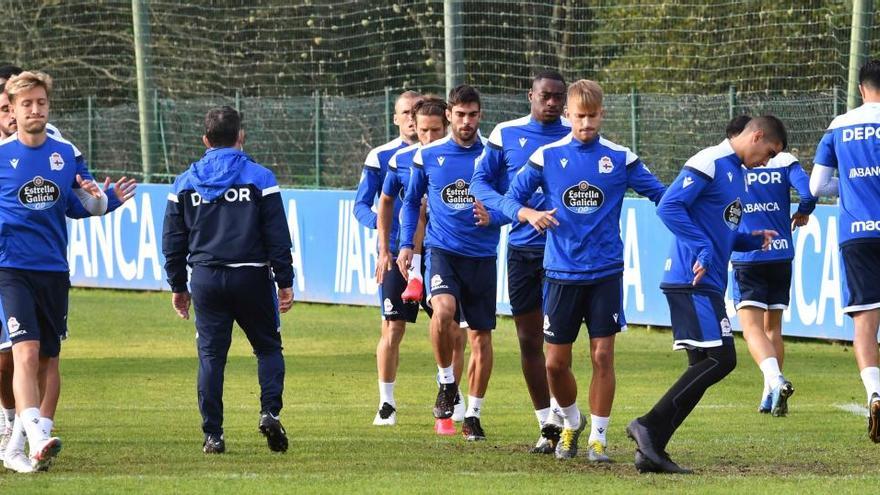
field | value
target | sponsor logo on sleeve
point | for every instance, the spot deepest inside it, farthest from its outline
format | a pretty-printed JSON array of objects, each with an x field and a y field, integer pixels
[
  {"x": 686, "y": 182},
  {"x": 583, "y": 198},
  {"x": 733, "y": 214},
  {"x": 522, "y": 142}
]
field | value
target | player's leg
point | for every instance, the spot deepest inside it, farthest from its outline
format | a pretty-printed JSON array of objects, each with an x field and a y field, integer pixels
[
  {"x": 395, "y": 315},
  {"x": 255, "y": 308},
  {"x": 213, "y": 320},
  {"x": 773, "y": 330},
  {"x": 778, "y": 293},
  {"x": 7, "y": 398},
  {"x": 459, "y": 329},
  {"x": 605, "y": 319},
  {"x": 564, "y": 312},
  {"x": 51, "y": 390},
  {"x": 751, "y": 319},
  {"x": 525, "y": 275},
  {"x": 862, "y": 295},
  {"x": 478, "y": 289},
  {"x": 701, "y": 326}
]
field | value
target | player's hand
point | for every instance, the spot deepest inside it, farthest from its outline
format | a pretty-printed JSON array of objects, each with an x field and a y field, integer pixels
[
  {"x": 799, "y": 220},
  {"x": 123, "y": 188},
  {"x": 404, "y": 260},
  {"x": 383, "y": 264},
  {"x": 540, "y": 220},
  {"x": 89, "y": 186},
  {"x": 180, "y": 301},
  {"x": 699, "y": 272},
  {"x": 768, "y": 235},
  {"x": 481, "y": 214},
  {"x": 285, "y": 299}
]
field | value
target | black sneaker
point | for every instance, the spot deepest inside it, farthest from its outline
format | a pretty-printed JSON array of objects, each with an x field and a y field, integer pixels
[
  {"x": 214, "y": 444},
  {"x": 472, "y": 430},
  {"x": 669, "y": 466},
  {"x": 549, "y": 438},
  {"x": 275, "y": 435},
  {"x": 874, "y": 418},
  {"x": 445, "y": 404}
]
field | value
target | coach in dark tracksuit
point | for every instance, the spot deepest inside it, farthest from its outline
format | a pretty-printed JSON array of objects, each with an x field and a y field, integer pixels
[{"x": 225, "y": 218}]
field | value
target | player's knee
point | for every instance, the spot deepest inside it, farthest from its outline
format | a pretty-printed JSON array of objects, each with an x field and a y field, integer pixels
[
  {"x": 603, "y": 360},
  {"x": 726, "y": 358},
  {"x": 556, "y": 367}
]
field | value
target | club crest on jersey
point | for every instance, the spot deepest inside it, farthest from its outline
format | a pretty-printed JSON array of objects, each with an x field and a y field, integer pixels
[
  {"x": 733, "y": 214},
  {"x": 726, "y": 330},
  {"x": 583, "y": 198},
  {"x": 39, "y": 194},
  {"x": 522, "y": 142},
  {"x": 389, "y": 307},
  {"x": 56, "y": 162},
  {"x": 441, "y": 159},
  {"x": 12, "y": 325},
  {"x": 457, "y": 195},
  {"x": 606, "y": 166},
  {"x": 437, "y": 282},
  {"x": 563, "y": 162}
]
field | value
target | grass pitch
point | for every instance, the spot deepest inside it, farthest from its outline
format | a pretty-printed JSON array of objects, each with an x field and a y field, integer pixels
[{"x": 130, "y": 424}]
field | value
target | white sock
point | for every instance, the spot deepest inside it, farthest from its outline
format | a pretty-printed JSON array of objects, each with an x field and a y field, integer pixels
[
  {"x": 598, "y": 427},
  {"x": 415, "y": 270},
  {"x": 766, "y": 391},
  {"x": 46, "y": 424},
  {"x": 542, "y": 415},
  {"x": 473, "y": 407},
  {"x": 871, "y": 379},
  {"x": 571, "y": 416},
  {"x": 555, "y": 417},
  {"x": 386, "y": 393},
  {"x": 9, "y": 416},
  {"x": 772, "y": 375},
  {"x": 16, "y": 440},
  {"x": 445, "y": 375},
  {"x": 30, "y": 418}
]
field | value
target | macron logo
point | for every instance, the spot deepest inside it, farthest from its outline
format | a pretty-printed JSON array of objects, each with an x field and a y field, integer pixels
[
  {"x": 563, "y": 162},
  {"x": 730, "y": 176},
  {"x": 522, "y": 142},
  {"x": 441, "y": 159},
  {"x": 687, "y": 181},
  {"x": 14, "y": 162}
]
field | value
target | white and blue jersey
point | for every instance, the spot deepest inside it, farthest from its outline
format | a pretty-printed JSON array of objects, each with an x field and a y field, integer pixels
[
  {"x": 586, "y": 183},
  {"x": 394, "y": 186},
  {"x": 372, "y": 177},
  {"x": 852, "y": 146},
  {"x": 38, "y": 189},
  {"x": 703, "y": 209},
  {"x": 768, "y": 203},
  {"x": 443, "y": 169},
  {"x": 508, "y": 149}
]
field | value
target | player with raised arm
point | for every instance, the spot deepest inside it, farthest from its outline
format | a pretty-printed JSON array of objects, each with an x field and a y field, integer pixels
[
  {"x": 394, "y": 313},
  {"x": 508, "y": 149},
  {"x": 703, "y": 209},
  {"x": 584, "y": 178},
  {"x": 850, "y": 146},
  {"x": 762, "y": 279},
  {"x": 41, "y": 182},
  {"x": 461, "y": 255}
]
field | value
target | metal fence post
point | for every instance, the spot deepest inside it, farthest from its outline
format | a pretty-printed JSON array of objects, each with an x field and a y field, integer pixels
[
  {"x": 862, "y": 17},
  {"x": 90, "y": 133},
  {"x": 146, "y": 119},
  {"x": 452, "y": 43},
  {"x": 634, "y": 118},
  {"x": 238, "y": 101},
  {"x": 317, "y": 139},
  {"x": 731, "y": 102},
  {"x": 835, "y": 103},
  {"x": 387, "y": 114},
  {"x": 161, "y": 124}
]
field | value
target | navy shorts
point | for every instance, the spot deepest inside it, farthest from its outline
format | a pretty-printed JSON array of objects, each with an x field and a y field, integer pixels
[
  {"x": 762, "y": 285},
  {"x": 566, "y": 306},
  {"x": 471, "y": 281},
  {"x": 525, "y": 278},
  {"x": 33, "y": 306},
  {"x": 861, "y": 263},
  {"x": 393, "y": 307},
  {"x": 699, "y": 319}
]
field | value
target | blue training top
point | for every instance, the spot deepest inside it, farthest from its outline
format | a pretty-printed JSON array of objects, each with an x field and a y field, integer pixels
[
  {"x": 508, "y": 149},
  {"x": 395, "y": 184},
  {"x": 586, "y": 183},
  {"x": 852, "y": 146},
  {"x": 768, "y": 203},
  {"x": 443, "y": 169},
  {"x": 703, "y": 209}
]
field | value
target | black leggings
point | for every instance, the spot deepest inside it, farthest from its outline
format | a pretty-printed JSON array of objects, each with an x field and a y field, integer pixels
[{"x": 706, "y": 367}]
